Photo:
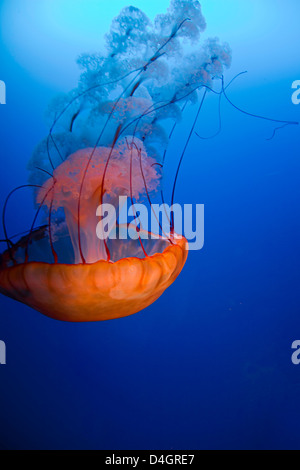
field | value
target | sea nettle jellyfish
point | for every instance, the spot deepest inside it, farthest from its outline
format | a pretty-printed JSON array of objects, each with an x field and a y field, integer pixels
[{"x": 110, "y": 138}]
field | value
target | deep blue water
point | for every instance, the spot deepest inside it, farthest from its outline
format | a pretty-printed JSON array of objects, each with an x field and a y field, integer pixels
[{"x": 208, "y": 366}]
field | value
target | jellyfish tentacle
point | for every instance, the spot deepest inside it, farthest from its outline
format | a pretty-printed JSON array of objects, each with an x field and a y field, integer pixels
[
  {"x": 135, "y": 88},
  {"x": 106, "y": 166},
  {"x": 44, "y": 171},
  {"x": 50, "y": 226},
  {"x": 121, "y": 130},
  {"x": 139, "y": 70},
  {"x": 219, "y": 108},
  {"x": 173, "y": 130},
  {"x": 132, "y": 203},
  {"x": 73, "y": 120},
  {"x": 182, "y": 158},
  {"x": 223, "y": 93},
  {"x": 234, "y": 78},
  {"x": 80, "y": 95},
  {"x": 144, "y": 179},
  {"x": 7, "y": 241},
  {"x": 56, "y": 148},
  {"x": 277, "y": 129},
  {"x": 156, "y": 56},
  {"x": 172, "y": 36},
  {"x": 118, "y": 133},
  {"x": 165, "y": 104},
  {"x": 48, "y": 153},
  {"x": 24, "y": 186},
  {"x": 162, "y": 105},
  {"x": 278, "y": 121},
  {"x": 150, "y": 202},
  {"x": 142, "y": 170},
  {"x": 157, "y": 164},
  {"x": 164, "y": 160},
  {"x": 219, "y": 119},
  {"x": 88, "y": 90},
  {"x": 34, "y": 221},
  {"x": 20, "y": 234},
  {"x": 103, "y": 180}
]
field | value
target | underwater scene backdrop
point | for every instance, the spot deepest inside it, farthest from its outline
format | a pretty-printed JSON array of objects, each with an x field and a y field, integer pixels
[{"x": 209, "y": 364}]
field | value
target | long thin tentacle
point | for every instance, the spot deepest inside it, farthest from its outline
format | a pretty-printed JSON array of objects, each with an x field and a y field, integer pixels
[
  {"x": 182, "y": 157},
  {"x": 24, "y": 186}
]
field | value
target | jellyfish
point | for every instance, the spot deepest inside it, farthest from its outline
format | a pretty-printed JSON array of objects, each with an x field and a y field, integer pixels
[{"x": 109, "y": 140}]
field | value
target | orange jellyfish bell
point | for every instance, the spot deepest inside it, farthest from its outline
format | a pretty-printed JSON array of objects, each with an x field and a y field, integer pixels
[
  {"x": 94, "y": 292},
  {"x": 106, "y": 279}
]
